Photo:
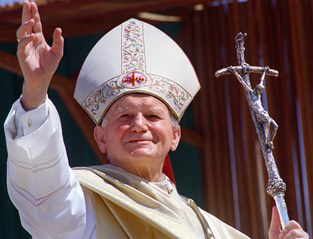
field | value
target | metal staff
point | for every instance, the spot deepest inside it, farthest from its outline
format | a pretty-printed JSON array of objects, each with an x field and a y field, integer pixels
[{"x": 262, "y": 121}]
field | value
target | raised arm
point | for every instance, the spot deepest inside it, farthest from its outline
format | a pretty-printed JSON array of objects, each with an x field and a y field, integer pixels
[
  {"x": 37, "y": 59},
  {"x": 247, "y": 88},
  {"x": 266, "y": 69},
  {"x": 41, "y": 185}
]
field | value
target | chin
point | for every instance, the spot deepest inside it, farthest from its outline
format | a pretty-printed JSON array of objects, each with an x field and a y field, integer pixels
[{"x": 141, "y": 154}]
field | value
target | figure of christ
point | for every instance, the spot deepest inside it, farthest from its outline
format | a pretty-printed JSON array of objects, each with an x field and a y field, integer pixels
[{"x": 255, "y": 102}]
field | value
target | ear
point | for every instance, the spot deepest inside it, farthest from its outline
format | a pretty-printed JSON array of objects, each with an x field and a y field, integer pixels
[
  {"x": 99, "y": 136},
  {"x": 176, "y": 138}
]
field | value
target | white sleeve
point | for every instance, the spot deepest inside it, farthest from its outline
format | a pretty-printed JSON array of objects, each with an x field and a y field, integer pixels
[
  {"x": 40, "y": 182},
  {"x": 28, "y": 122}
]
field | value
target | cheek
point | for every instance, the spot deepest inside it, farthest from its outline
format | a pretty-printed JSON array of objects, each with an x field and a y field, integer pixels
[
  {"x": 164, "y": 133},
  {"x": 117, "y": 132}
]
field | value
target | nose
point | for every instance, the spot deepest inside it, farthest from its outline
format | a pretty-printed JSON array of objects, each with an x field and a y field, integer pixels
[{"x": 139, "y": 124}]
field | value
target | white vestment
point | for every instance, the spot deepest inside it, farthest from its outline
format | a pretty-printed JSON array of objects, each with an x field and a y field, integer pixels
[{"x": 50, "y": 200}]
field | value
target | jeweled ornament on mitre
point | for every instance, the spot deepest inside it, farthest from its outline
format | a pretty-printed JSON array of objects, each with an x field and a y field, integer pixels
[{"x": 133, "y": 80}]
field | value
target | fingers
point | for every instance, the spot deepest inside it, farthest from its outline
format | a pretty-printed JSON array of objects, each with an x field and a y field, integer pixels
[
  {"x": 274, "y": 229},
  {"x": 58, "y": 43},
  {"x": 26, "y": 15},
  {"x": 25, "y": 29},
  {"x": 31, "y": 22},
  {"x": 293, "y": 230},
  {"x": 25, "y": 35},
  {"x": 23, "y": 42},
  {"x": 35, "y": 15},
  {"x": 30, "y": 11}
]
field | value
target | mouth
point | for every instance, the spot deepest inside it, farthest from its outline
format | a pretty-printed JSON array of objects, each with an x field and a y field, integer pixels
[
  {"x": 139, "y": 141},
  {"x": 142, "y": 141}
]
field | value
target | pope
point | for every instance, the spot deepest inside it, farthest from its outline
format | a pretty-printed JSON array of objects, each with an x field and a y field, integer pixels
[{"x": 135, "y": 84}]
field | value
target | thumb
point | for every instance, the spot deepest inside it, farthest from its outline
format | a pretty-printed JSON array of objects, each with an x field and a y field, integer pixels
[
  {"x": 274, "y": 229},
  {"x": 58, "y": 43}
]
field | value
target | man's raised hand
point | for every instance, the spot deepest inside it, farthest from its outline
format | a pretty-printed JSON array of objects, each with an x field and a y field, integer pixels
[{"x": 38, "y": 61}]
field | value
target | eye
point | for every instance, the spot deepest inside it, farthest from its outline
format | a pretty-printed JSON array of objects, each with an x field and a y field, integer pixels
[
  {"x": 153, "y": 117},
  {"x": 124, "y": 117}
]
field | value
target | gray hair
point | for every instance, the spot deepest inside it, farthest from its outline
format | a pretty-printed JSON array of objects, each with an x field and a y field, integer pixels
[{"x": 175, "y": 121}]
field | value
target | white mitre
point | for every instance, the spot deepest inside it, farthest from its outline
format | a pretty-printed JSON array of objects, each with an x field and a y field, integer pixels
[{"x": 135, "y": 57}]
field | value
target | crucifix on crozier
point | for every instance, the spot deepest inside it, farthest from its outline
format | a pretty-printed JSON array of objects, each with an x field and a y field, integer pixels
[{"x": 255, "y": 103}]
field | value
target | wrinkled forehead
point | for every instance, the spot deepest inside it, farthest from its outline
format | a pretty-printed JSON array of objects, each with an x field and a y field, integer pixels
[{"x": 129, "y": 101}]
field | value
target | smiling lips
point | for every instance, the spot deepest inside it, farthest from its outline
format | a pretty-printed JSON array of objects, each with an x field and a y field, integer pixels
[{"x": 138, "y": 140}]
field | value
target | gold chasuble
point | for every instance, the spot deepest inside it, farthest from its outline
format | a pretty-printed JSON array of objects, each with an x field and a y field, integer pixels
[{"x": 128, "y": 206}]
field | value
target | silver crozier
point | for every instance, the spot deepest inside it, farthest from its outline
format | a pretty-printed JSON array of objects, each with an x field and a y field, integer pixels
[{"x": 265, "y": 126}]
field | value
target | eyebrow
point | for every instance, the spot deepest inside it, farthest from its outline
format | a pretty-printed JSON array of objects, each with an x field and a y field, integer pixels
[
  {"x": 119, "y": 110},
  {"x": 156, "y": 110}
]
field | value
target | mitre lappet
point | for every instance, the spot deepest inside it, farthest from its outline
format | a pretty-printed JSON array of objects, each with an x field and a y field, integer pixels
[{"x": 135, "y": 57}]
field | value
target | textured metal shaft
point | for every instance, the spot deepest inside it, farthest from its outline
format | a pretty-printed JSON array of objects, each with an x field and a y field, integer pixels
[{"x": 282, "y": 209}]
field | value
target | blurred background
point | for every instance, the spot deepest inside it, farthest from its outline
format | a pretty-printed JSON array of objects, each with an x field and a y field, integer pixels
[{"x": 219, "y": 162}]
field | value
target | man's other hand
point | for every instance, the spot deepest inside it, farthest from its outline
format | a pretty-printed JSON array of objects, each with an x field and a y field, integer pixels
[{"x": 292, "y": 230}]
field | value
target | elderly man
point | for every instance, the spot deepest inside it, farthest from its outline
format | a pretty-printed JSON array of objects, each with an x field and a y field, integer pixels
[{"x": 130, "y": 87}]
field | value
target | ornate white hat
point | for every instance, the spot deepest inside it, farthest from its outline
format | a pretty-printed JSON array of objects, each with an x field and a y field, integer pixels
[{"x": 135, "y": 57}]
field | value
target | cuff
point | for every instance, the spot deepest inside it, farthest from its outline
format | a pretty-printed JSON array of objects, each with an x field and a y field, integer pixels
[{"x": 30, "y": 121}]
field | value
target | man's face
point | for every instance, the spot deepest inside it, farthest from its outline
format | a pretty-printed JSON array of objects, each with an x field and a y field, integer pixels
[{"x": 137, "y": 132}]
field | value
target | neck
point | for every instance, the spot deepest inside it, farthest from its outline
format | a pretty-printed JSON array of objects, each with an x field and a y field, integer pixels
[{"x": 152, "y": 174}]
